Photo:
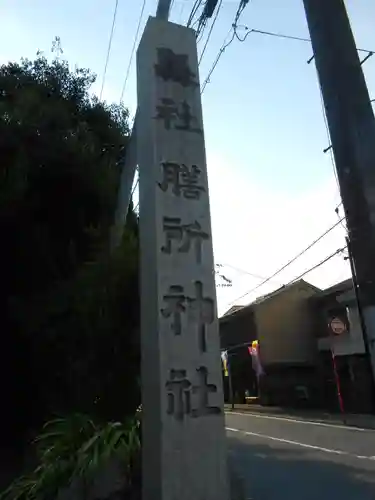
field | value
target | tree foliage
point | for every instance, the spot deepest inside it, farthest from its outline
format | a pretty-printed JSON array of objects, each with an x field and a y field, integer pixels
[
  {"x": 68, "y": 307},
  {"x": 71, "y": 452}
]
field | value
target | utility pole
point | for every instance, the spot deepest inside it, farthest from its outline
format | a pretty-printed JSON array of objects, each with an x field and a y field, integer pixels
[
  {"x": 162, "y": 12},
  {"x": 125, "y": 191},
  {"x": 360, "y": 316},
  {"x": 130, "y": 160},
  {"x": 231, "y": 395},
  {"x": 352, "y": 129}
]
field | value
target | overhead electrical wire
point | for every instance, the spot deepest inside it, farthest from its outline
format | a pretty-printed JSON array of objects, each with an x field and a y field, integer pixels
[
  {"x": 241, "y": 271},
  {"x": 313, "y": 268},
  {"x": 109, "y": 48},
  {"x": 194, "y": 10},
  {"x": 210, "y": 32},
  {"x": 133, "y": 50},
  {"x": 317, "y": 265},
  {"x": 291, "y": 261},
  {"x": 301, "y": 39},
  {"x": 207, "y": 12},
  {"x": 215, "y": 63},
  {"x": 290, "y": 37},
  {"x": 338, "y": 215},
  {"x": 235, "y": 27},
  {"x": 326, "y": 259},
  {"x": 241, "y": 7},
  {"x": 271, "y": 33}
]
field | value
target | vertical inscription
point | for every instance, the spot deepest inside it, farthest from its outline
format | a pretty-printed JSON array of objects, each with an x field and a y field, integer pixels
[
  {"x": 201, "y": 307},
  {"x": 175, "y": 300},
  {"x": 180, "y": 393},
  {"x": 176, "y": 117},
  {"x": 174, "y": 67},
  {"x": 184, "y": 180},
  {"x": 186, "y": 235},
  {"x": 202, "y": 390}
]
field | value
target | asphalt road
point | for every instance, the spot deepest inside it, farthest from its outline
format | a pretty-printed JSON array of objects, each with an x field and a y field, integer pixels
[{"x": 279, "y": 459}]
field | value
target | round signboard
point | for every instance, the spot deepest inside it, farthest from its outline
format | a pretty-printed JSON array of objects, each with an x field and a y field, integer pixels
[{"x": 337, "y": 326}]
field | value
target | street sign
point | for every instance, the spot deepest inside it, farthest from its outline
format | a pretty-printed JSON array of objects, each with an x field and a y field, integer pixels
[{"x": 337, "y": 326}]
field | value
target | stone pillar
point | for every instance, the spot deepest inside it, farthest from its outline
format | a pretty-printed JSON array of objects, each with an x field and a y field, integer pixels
[{"x": 184, "y": 454}]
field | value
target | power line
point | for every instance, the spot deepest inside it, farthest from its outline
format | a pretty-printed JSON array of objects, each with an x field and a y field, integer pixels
[
  {"x": 338, "y": 215},
  {"x": 277, "y": 35},
  {"x": 109, "y": 48},
  {"x": 288, "y": 263},
  {"x": 301, "y": 39},
  {"x": 210, "y": 32},
  {"x": 241, "y": 7},
  {"x": 201, "y": 22},
  {"x": 339, "y": 250},
  {"x": 317, "y": 265},
  {"x": 290, "y": 37},
  {"x": 194, "y": 10},
  {"x": 207, "y": 12},
  {"x": 242, "y": 271},
  {"x": 235, "y": 26},
  {"x": 220, "y": 53},
  {"x": 133, "y": 50}
]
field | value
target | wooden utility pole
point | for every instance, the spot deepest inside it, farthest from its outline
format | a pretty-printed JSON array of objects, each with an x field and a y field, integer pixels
[
  {"x": 130, "y": 161},
  {"x": 352, "y": 129},
  {"x": 361, "y": 318},
  {"x": 162, "y": 12}
]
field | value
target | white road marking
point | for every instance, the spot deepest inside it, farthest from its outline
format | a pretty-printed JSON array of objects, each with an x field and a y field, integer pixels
[
  {"x": 298, "y": 421},
  {"x": 297, "y": 443}
]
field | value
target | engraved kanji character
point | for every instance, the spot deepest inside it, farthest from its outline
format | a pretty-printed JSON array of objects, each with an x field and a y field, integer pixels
[
  {"x": 203, "y": 307},
  {"x": 186, "y": 119},
  {"x": 189, "y": 184},
  {"x": 171, "y": 175},
  {"x": 175, "y": 67},
  {"x": 202, "y": 390},
  {"x": 167, "y": 111},
  {"x": 182, "y": 179},
  {"x": 175, "y": 301},
  {"x": 178, "y": 394},
  {"x": 185, "y": 234},
  {"x": 170, "y": 113}
]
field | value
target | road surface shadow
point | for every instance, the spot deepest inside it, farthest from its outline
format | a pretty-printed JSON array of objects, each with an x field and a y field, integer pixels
[{"x": 273, "y": 471}]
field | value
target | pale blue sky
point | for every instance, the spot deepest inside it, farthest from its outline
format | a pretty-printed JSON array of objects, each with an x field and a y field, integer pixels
[{"x": 272, "y": 188}]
